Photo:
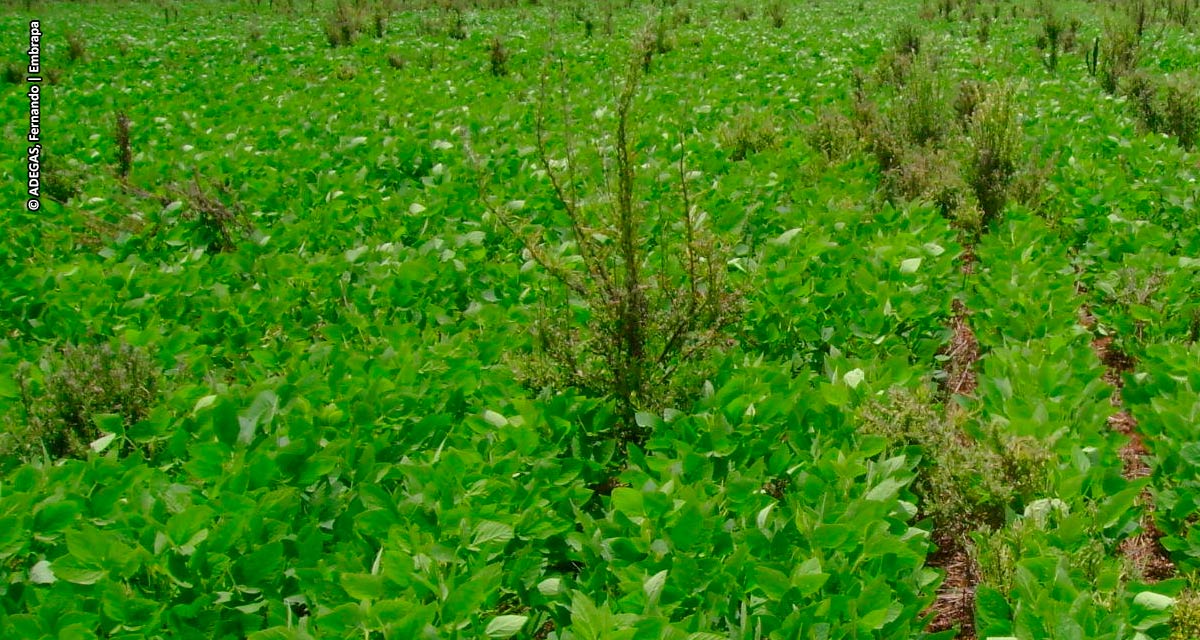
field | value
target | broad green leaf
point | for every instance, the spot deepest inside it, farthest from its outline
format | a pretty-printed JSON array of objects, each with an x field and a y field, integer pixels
[
  {"x": 885, "y": 490},
  {"x": 260, "y": 413},
  {"x": 204, "y": 403},
  {"x": 653, "y": 585},
  {"x": 108, "y": 423},
  {"x": 591, "y": 621},
  {"x": 41, "y": 573},
  {"x": 875, "y": 619},
  {"x": 689, "y": 527},
  {"x": 183, "y": 525},
  {"x": 627, "y": 501},
  {"x": 54, "y": 517},
  {"x": 341, "y": 619},
  {"x": 646, "y": 420},
  {"x": 468, "y": 594},
  {"x": 1155, "y": 601},
  {"x": 808, "y": 584},
  {"x": 831, "y": 536},
  {"x": 252, "y": 607},
  {"x": 264, "y": 563},
  {"x": 362, "y": 586},
  {"x": 189, "y": 546},
  {"x": 786, "y": 236},
  {"x": 89, "y": 545},
  {"x": 495, "y": 419},
  {"x": 275, "y": 633},
  {"x": 773, "y": 583},
  {"x": 550, "y": 587},
  {"x": 225, "y": 422},
  {"x": 1040, "y": 509},
  {"x": 71, "y": 570},
  {"x": 488, "y": 531},
  {"x": 993, "y": 612},
  {"x": 100, "y": 444},
  {"x": 763, "y": 514},
  {"x": 81, "y": 575},
  {"x": 625, "y": 550},
  {"x": 505, "y": 626},
  {"x": 910, "y": 266},
  {"x": 13, "y": 536},
  {"x": 808, "y": 578}
]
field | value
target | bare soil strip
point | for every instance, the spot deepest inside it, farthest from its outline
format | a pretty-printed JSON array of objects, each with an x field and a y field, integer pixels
[
  {"x": 954, "y": 606},
  {"x": 955, "y": 603},
  {"x": 1144, "y": 551},
  {"x": 963, "y": 352}
]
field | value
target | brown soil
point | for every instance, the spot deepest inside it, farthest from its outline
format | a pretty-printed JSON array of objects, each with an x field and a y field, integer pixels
[
  {"x": 1144, "y": 551},
  {"x": 1133, "y": 454},
  {"x": 1116, "y": 362},
  {"x": 963, "y": 351},
  {"x": 606, "y": 488},
  {"x": 968, "y": 260},
  {"x": 954, "y": 604},
  {"x": 954, "y": 607},
  {"x": 544, "y": 631},
  {"x": 1086, "y": 318}
]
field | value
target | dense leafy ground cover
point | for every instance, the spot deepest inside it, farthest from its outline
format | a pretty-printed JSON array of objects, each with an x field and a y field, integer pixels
[{"x": 271, "y": 364}]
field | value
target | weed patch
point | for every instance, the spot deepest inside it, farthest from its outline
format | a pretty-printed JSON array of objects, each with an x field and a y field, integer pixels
[
  {"x": 343, "y": 25},
  {"x": 749, "y": 132},
  {"x": 498, "y": 57},
  {"x": 964, "y": 485},
  {"x": 995, "y": 148},
  {"x": 73, "y": 386},
  {"x": 646, "y": 309}
]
